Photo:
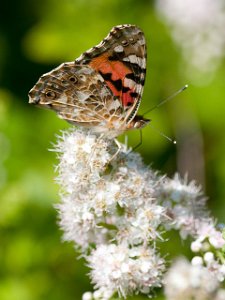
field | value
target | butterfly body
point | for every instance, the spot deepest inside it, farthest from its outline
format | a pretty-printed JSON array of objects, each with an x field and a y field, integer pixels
[{"x": 102, "y": 89}]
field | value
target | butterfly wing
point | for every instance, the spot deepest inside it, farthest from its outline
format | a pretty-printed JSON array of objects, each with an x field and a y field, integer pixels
[
  {"x": 78, "y": 94},
  {"x": 121, "y": 60},
  {"x": 102, "y": 89}
]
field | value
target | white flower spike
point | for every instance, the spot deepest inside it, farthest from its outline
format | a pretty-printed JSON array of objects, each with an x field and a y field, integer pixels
[{"x": 116, "y": 210}]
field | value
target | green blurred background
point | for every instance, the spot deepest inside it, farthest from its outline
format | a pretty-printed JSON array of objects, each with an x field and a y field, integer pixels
[{"x": 36, "y": 36}]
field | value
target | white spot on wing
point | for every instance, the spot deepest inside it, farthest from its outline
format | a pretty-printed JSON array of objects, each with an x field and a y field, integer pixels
[
  {"x": 132, "y": 84},
  {"x": 118, "y": 49},
  {"x": 134, "y": 59},
  {"x": 129, "y": 83}
]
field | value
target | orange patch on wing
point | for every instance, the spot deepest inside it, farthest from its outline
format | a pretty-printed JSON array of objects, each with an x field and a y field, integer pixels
[
  {"x": 127, "y": 98},
  {"x": 103, "y": 64},
  {"x": 118, "y": 70},
  {"x": 113, "y": 89}
]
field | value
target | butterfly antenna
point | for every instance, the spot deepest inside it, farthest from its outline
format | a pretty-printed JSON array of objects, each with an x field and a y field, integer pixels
[
  {"x": 167, "y": 99},
  {"x": 162, "y": 134}
]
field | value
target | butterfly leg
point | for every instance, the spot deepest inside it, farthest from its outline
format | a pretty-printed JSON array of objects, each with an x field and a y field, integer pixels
[{"x": 117, "y": 151}]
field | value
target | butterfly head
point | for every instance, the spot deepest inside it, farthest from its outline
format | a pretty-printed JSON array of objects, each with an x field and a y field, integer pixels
[{"x": 138, "y": 123}]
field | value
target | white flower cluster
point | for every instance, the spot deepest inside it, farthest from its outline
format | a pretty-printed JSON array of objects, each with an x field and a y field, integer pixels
[
  {"x": 185, "y": 204},
  {"x": 207, "y": 239},
  {"x": 116, "y": 209},
  {"x": 127, "y": 270},
  {"x": 198, "y": 28},
  {"x": 207, "y": 236},
  {"x": 188, "y": 281}
]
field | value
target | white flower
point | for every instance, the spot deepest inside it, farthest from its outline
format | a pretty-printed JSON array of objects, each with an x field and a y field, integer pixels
[
  {"x": 92, "y": 196},
  {"x": 185, "y": 204},
  {"x": 216, "y": 268},
  {"x": 205, "y": 230},
  {"x": 87, "y": 296},
  {"x": 220, "y": 295},
  {"x": 197, "y": 261},
  {"x": 101, "y": 203},
  {"x": 208, "y": 257},
  {"x": 196, "y": 246},
  {"x": 115, "y": 210},
  {"x": 185, "y": 281},
  {"x": 123, "y": 270},
  {"x": 198, "y": 28}
]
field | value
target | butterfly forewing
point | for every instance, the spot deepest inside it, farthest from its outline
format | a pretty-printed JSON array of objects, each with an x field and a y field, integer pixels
[{"x": 121, "y": 60}]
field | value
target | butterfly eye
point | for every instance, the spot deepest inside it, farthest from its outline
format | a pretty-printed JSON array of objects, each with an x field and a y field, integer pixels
[
  {"x": 73, "y": 79},
  {"x": 50, "y": 94}
]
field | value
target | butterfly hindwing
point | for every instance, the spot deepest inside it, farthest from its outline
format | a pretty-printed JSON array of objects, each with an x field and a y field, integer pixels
[
  {"x": 121, "y": 60},
  {"x": 78, "y": 94}
]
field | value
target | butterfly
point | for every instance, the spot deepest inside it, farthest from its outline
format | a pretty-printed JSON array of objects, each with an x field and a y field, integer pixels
[{"x": 102, "y": 89}]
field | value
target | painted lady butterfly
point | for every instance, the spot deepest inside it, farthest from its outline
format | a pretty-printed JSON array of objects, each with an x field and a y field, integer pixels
[{"x": 102, "y": 89}]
